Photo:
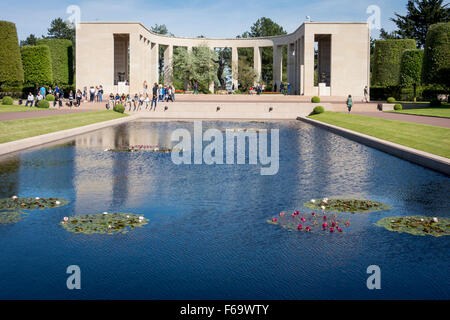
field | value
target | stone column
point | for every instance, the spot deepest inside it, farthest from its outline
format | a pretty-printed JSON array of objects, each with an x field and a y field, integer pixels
[
  {"x": 257, "y": 62},
  {"x": 186, "y": 82},
  {"x": 234, "y": 67},
  {"x": 154, "y": 64},
  {"x": 290, "y": 65},
  {"x": 211, "y": 85},
  {"x": 168, "y": 68},
  {"x": 277, "y": 65}
]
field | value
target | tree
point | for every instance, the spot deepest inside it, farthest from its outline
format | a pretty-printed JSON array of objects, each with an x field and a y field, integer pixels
[
  {"x": 263, "y": 27},
  {"x": 60, "y": 29},
  {"x": 411, "y": 69},
  {"x": 161, "y": 29},
  {"x": 31, "y": 40},
  {"x": 247, "y": 75},
  {"x": 386, "y": 61},
  {"x": 61, "y": 52},
  {"x": 421, "y": 14},
  {"x": 37, "y": 66},
  {"x": 196, "y": 65},
  {"x": 11, "y": 69},
  {"x": 436, "y": 60}
]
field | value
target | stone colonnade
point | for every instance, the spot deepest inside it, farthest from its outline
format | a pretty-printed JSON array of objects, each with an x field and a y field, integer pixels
[{"x": 328, "y": 59}]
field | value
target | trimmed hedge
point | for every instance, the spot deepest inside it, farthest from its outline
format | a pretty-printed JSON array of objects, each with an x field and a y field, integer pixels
[
  {"x": 398, "y": 106},
  {"x": 386, "y": 61},
  {"x": 436, "y": 60},
  {"x": 390, "y": 100},
  {"x": 7, "y": 101},
  {"x": 411, "y": 67},
  {"x": 119, "y": 108},
  {"x": 37, "y": 65},
  {"x": 50, "y": 97},
  {"x": 61, "y": 52},
  {"x": 424, "y": 93},
  {"x": 43, "y": 104},
  {"x": 11, "y": 69},
  {"x": 318, "y": 110},
  {"x": 315, "y": 99}
]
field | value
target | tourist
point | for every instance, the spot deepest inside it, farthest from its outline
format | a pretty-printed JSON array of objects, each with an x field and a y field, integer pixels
[
  {"x": 366, "y": 94},
  {"x": 117, "y": 99},
  {"x": 135, "y": 101},
  {"x": 128, "y": 102},
  {"x": 349, "y": 103},
  {"x": 275, "y": 87},
  {"x": 91, "y": 94},
  {"x": 50, "y": 90},
  {"x": 39, "y": 97},
  {"x": 196, "y": 87},
  {"x": 289, "y": 89},
  {"x": 84, "y": 94},
  {"x": 96, "y": 94},
  {"x": 155, "y": 96},
  {"x": 173, "y": 93},
  {"x": 70, "y": 98},
  {"x": 147, "y": 101},
  {"x": 42, "y": 89},
  {"x": 282, "y": 88},
  {"x": 78, "y": 97},
  {"x": 100, "y": 93},
  {"x": 141, "y": 101},
  {"x": 233, "y": 88},
  {"x": 30, "y": 99},
  {"x": 145, "y": 87},
  {"x": 111, "y": 101}
]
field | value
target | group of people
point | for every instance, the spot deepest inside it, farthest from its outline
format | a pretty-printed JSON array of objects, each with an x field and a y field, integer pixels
[
  {"x": 57, "y": 92},
  {"x": 158, "y": 93}
]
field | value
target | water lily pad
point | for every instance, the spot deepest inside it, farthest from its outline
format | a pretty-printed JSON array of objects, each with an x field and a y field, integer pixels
[
  {"x": 31, "y": 203},
  {"x": 417, "y": 225},
  {"x": 310, "y": 222},
  {"x": 8, "y": 217},
  {"x": 111, "y": 223},
  {"x": 346, "y": 205}
]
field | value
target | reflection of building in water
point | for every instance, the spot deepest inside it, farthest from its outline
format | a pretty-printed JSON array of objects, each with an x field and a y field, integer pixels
[{"x": 9, "y": 177}]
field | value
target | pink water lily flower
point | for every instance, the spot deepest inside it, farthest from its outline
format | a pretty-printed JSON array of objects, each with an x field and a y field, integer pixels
[
  {"x": 274, "y": 220},
  {"x": 331, "y": 229},
  {"x": 300, "y": 227}
]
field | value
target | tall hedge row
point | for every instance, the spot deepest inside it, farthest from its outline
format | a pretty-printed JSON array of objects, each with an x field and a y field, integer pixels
[
  {"x": 37, "y": 66},
  {"x": 386, "y": 61},
  {"x": 61, "y": 52},
  {"x": 11, "y": 69},
  {"x": 436, "y": 61},
  {"x": 411, "y": 68}
]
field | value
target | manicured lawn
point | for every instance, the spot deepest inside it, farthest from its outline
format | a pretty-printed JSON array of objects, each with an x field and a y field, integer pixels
[
  {"x": 23, "y": 128},
  {"x": 17, "y": 108},
  {"x": 423, "y": 137},
  {"x": 434, "y": 112}
]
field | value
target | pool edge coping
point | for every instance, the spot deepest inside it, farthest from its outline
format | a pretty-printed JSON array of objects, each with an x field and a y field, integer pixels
[{"x": 425, "y": 159}]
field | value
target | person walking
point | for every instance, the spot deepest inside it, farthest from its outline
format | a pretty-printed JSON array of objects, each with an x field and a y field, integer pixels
[
  {"x": 195, "y": 87},
  {"x": 366, "y": 94},
  {"x": 155, "y": 96},
  {"x": 349, "y": 103},
  {"x": 100, "y": 93}
]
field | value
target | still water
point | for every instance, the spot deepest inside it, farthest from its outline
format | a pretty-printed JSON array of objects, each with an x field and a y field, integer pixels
[{"x": 208, "y": 237}]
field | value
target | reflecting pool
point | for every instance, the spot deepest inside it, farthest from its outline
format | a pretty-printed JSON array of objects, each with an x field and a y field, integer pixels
[{"x": 207, "y": 237}]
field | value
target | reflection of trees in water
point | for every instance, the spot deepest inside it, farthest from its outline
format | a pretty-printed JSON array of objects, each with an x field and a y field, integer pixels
[
  {"x": 120, "y": 167},
  {"x": 9, "y": 177}
]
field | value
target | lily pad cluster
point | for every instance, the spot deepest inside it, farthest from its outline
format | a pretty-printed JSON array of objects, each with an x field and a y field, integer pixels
[
  {"x": 16, "y": 203},
  {"x": 417, "y": 225},
  {"x": 11, "y": 209},
  {"x": 103, "y": 223},
  {"x": 310, "y": 222},
  {"x": 346, "y": 205},
  {"x": 138, "y": 148}
]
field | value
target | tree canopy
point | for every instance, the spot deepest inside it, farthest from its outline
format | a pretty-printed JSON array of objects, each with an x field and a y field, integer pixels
[
  {"x": 421, "y": 14},
  {"x": 60, "y": 29}
]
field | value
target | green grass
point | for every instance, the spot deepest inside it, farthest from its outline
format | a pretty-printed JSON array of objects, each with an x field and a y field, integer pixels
[
  {"x": 432, "y": 112},
  {"x": 17, "y": 108},
  {"x": 12, "y": 130},
  {"x": 423, "y": 137}
]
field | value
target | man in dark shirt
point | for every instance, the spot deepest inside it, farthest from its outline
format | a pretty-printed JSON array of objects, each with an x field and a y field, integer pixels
[{"x": 155, "y": 96}]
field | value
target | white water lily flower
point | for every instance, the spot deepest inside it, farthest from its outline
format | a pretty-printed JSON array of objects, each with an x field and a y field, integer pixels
[
  {"x": 325, "y": 199},
  {"x": 421, "y": 220},
  {"x": 106, "y": 150},
  {"x": 141, "y": 218},
  {"x": 57, "y": 202},
  {"x": 322, "y": 207},
  {"x": 313, "y": 201},
  {"x": 14, "y": 197},
  {"x": 105, "y": 213},
  {"x": 128, "y": 217},
  {"x": 109, "y": 227},
  {"x": 37, "y": 198},
  {"x": 435, "y": 220}
]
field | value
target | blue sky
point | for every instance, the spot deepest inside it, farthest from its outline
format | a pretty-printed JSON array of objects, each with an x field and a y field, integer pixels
[{"x": 215, "y": 19}]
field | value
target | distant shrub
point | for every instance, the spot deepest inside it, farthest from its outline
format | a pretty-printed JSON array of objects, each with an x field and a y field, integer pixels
[
  {"x": 398, "y": 106},
  {"x": 315, "y": 99},
  {"x": 37, "y": 66},
  {"x": 435, "y": 103},
  {"x": 436, "y": 62},
  {"x": 43, "y": 104},
  {"x": 119, "y": 108},
  {"x": 11, "y": 70},
  {"x": 50, "y": 97},
  {"x": 7, "y": 101},
  {"x": 391, "y": 100},
  {"x": 318, "y": 110}
]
